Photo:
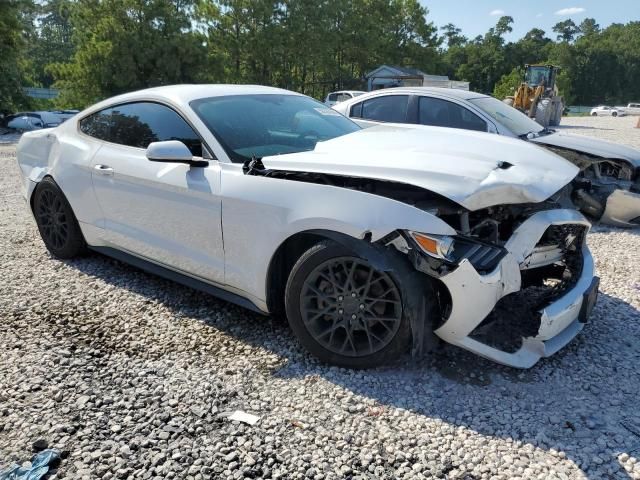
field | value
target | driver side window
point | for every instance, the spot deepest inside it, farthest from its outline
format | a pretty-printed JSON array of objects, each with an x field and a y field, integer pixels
[{"x": 139, "y": 124}]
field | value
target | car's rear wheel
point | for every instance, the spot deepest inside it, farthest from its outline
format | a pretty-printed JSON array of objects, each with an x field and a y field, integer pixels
[
  {"x": 344, "y": 310},
  {"x": 56, "y": 222}
]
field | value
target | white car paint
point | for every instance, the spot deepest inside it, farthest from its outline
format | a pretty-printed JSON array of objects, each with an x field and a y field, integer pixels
[
  {"x": 604, "y": 111},
  {"x": 630, "y": 109},
  {"x": 333, "y": 98},
  {"x": 458, "y": 164},
  {"x": 221, "y": 226},
  {"x": 559, "y": 320},
  {"x": 621, "y": 208},
  {"x": 590, "y": 145}
]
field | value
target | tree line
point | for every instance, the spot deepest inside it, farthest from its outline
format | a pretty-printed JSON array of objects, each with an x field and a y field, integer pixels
[{"x": 93, "y": 49}]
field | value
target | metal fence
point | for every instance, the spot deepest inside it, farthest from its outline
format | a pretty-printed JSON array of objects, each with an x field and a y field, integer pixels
[
  {"x": 579, "y": 109},
  {"x": 36, "y": 92}
]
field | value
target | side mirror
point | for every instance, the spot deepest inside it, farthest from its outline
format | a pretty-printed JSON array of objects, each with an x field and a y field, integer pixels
[{"x": 173, "y": 151}]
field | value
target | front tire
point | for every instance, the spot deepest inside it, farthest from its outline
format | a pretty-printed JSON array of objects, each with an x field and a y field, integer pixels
[
  {"x": 56, "y": 222},
  {"x": 594, "y": 114},
  {"x": 614, "y": 114},
  {"x": 344, "y": 310}
]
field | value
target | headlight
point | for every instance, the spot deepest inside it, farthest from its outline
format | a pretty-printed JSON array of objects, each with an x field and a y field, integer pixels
[
  {"x": 453, "y": 249},
  {"x": 439, "y": 246}
]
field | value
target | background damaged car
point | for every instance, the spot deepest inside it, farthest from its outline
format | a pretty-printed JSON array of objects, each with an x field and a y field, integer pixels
[
  {"x": 609, "y": 186},
  {"x": 370, "y": 241}
]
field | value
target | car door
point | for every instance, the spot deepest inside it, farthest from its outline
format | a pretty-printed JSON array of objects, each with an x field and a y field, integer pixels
[
  {"x": 385, "y": 108},
  {"x": 169, "y": 213}
]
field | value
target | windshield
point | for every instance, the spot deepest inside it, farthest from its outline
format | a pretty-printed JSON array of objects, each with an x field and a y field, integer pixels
[
  {"x": 250, "y": 126},
  {"x": 513, "y": 119},
  {"x": 538, "y": 76}
]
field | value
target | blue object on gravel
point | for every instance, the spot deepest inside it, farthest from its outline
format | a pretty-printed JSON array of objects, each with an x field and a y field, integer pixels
[{"x": 38, "y": 469}]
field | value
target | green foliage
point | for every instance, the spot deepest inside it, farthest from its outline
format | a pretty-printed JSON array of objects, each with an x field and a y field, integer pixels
[
  {"x": 123, "y": 45},
  {"x": 566, "y": 30},
  {"x": 314, "y": 47},
  {"x": 51, "y": 41},
  {"x": 508, "y": 83},
  {"x": 12, "y": 69},
  {"x": 485, "y": 59},
  {"x": 93, "y": 49}
]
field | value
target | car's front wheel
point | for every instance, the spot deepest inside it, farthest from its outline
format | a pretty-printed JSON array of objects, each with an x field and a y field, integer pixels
[
  {"x": 594, "y": 114},
  {"x": 56, "y": 222},
  {"x": 614, "y": 114},
  {"x": 344, "y": 310}
]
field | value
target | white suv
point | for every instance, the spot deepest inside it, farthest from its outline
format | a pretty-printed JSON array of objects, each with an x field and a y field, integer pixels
[{"x": 340, "y": 96}]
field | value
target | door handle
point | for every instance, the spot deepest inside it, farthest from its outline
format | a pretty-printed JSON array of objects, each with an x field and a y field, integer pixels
[{"x": 103, "y": 169}]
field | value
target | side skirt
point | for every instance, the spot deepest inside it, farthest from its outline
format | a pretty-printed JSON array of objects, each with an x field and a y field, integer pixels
[{"x": 177, "y": 277}]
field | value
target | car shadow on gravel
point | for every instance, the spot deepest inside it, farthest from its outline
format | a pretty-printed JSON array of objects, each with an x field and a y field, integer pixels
[{"x": 580, "y": 402}]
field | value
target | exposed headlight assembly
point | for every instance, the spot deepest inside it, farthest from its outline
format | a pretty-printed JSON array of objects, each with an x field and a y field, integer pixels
[
  {"x": 438, "y": 246},
  {"x": 453, "y": 249}
]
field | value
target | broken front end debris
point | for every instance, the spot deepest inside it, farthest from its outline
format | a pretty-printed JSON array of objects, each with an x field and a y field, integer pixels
[
  {"x": 608, "y": 190},
  {"x": 517, "y": 300}
]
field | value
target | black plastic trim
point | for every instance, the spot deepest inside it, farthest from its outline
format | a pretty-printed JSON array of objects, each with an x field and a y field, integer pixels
[{"x": 177, "y": 277}]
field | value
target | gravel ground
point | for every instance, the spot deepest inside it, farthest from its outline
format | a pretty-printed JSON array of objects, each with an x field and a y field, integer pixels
[
  {"x": 135, "y": 377},
  {"x": 615, "y": 129}
]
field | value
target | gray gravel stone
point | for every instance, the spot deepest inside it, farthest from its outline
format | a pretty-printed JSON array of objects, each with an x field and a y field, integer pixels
[{"x": 135, "y": 377}]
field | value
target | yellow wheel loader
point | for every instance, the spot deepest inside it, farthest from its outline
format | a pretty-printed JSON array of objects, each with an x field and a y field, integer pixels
[{"x": 538, "y": 95}]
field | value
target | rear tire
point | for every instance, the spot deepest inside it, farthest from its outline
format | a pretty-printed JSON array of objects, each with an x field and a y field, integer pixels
[
  {"x": 345, "y": 311},
  {"x": 56, "y": 221}
]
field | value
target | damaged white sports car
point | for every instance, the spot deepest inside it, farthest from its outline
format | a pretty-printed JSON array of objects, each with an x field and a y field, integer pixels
[{"x": 370, "y": 241}]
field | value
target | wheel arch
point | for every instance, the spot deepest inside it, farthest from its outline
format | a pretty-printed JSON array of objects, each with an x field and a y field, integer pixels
[
  {"x": 292, "y": 248},
  {"x": 415, "y": 285},
  {"x": 32, "y": 195}
]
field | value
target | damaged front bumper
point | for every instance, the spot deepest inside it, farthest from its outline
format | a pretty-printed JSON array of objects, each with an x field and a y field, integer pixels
[
  {"x": 622, "y": 209},
  {"x": 475, "y": 297}
]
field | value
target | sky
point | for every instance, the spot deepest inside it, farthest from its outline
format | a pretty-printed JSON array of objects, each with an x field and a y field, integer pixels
[{"x": 475, "y": 17}]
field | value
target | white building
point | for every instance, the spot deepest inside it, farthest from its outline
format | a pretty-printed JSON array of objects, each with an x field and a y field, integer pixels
[{"x": 388, "y": 76}]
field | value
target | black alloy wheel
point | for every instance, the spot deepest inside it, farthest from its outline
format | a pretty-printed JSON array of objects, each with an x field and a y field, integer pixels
[
  {"x": 52, "y": 219},
  {"x": 349, "y": 307},
  {"x": 56, "y": 222},
  {"x": 344, "y": 310}
]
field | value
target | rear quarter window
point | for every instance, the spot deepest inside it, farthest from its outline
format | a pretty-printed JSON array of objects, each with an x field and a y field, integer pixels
[{"x": 97, "y": 124}]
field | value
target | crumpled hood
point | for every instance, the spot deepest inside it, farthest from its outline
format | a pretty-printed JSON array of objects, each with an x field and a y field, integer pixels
[
  {"x": 591, "y": 146},
  {"x": 476, "y": 170}
]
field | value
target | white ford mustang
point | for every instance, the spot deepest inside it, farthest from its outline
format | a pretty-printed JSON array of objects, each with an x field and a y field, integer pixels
[{"x": 370, "y": 241}]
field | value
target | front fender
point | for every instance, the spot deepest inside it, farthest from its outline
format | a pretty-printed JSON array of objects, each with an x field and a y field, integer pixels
[{"x": 260, "y": 213}]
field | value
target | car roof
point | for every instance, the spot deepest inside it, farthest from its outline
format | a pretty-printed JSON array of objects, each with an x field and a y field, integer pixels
[
  {"x": 449, "y": 92},
  {"x": 185, "y": 93}
]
